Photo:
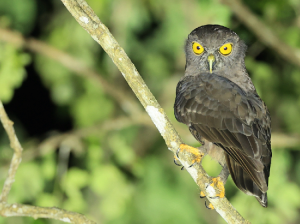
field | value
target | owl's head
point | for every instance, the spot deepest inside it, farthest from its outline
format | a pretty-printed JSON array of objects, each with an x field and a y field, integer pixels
[{"x": 213, "y": 48}]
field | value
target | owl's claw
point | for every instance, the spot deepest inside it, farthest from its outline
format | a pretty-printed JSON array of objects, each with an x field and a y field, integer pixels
[
  {"x": 202, "y": 195},
  {"x": 218, "y": 185},
  {"x": 214, "y": 197},
  {"x": 177, "y": 152},
  {"x": 176, "y": 161},
  {"x": 209, "y": 206},
  {"x": 196, "y": 154}
]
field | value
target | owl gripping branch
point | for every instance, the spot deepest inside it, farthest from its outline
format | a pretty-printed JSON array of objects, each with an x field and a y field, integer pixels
[
  {"x": 217, "y": 100},
  {"x": 216, "y": 185},
  {"x": 99, "y": 32}
]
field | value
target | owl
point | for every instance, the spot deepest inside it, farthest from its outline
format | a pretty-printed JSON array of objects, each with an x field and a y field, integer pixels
[{"x": 218, "y": 102}]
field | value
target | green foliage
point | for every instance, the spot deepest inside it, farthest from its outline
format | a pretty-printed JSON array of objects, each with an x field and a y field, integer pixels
[
  {"x": 72, "y": 183},
  {"x": 124, "y": 157},
  {"x": 20, "y": 14},
  {"x": 111, "y": 186},
  {"x": 12, "y": 71},
  {"x": 125, "y": 174},
  {"x": 91, "y": 107},
  {"x": 29, "y": 182}
]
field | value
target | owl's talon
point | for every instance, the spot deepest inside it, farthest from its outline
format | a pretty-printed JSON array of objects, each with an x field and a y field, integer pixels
[
  {"x": 175, "y": 161},
  {"x": 197, "y": 155},
  {"x": 209, "y": 206},
  {"x": 202, "y": 195},
  {"x": 218, "y": 186},
  {"x": 214, "y": 197},
  {"x": 177, "y": 152}
]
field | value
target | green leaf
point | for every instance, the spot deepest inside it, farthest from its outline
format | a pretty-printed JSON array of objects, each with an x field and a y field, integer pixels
[
  {"x": 29, "y": 183},
  {"x": 72, "y": 183},
  {"x": 12, "y": 71},
  {"x": 115, "y": 192},
  {"x": 21, "y": 13},
  {"x": 92, "y": 107}
]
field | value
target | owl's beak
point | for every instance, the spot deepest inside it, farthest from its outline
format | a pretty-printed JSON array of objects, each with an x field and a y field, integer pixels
[{"x": 210, "y": 59}]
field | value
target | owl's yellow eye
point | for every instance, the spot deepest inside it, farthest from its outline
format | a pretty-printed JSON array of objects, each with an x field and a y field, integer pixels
[
  {"x": 226, "y": 49},
  {"x": 197, "y": 48}
]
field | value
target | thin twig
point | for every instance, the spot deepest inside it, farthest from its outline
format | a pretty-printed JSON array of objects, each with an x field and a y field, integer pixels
[
  {"x": 17, "y": 157},
  {"x": 263, "y": 32},
  {"x": 10, "y": 210},
  {"x": 99, "y": 32},
  {"x": 27, "y": 210}
]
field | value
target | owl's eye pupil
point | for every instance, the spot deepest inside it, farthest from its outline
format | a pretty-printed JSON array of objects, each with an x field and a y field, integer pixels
[
  {"x": 226, "y": 49},
  {"x": 197, "y": 48}
]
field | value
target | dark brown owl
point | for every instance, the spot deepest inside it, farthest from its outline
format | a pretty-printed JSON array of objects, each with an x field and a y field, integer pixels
[{"x": 218, "y": 101}]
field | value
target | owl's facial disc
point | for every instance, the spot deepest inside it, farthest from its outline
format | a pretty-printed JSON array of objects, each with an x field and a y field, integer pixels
[{"x": 211, "y": 59}]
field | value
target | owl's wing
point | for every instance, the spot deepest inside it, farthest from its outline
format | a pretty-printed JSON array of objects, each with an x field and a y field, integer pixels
[{"x": 221, "y": 112}]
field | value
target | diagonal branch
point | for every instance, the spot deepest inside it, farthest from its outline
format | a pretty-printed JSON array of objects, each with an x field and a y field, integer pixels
[{"x": 100, "y": 33}]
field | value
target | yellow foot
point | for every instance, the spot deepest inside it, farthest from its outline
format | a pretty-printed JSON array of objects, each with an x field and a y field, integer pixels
[
  {"x": 202, "y": 195},
  {"x": 197, "y": 155},
  {"x": 218, "y": 186},
  {"x": 218, "y": 190},
  {"x": 209, "y": 206}
]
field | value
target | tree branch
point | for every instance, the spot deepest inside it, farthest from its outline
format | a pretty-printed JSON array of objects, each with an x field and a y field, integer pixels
[
  {"x": 17, "y": 157},
  {"x": 263, "y": 32},
  {"x": 99, "y": 32},
  {"x": 10, "y": 210},
  {"x": 27, "y": 210}
]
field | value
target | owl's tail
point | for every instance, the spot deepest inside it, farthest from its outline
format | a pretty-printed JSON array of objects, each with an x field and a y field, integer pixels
[
  {"x": 263, "y": 200},
  {"x": 244, "y": 182}
]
